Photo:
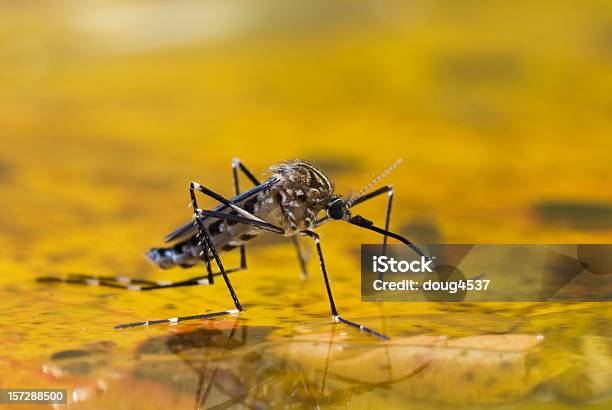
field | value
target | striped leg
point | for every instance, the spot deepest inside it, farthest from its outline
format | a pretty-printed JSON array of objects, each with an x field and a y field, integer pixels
[
  {"x": 178, "y": 319},
  {"x": 301, "y": 257},
  {"x": 335, "y": 316},
  {"x": 389, "y": 190},
  {"x": 124, "y": 282},
  {"x": 209, "y": 247},
  {"x": 238, "y": 165},
  {"x": 374, "y": 194}
]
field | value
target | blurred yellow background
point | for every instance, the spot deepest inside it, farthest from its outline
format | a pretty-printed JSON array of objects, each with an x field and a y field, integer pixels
[{"x": 501, "y": 110}]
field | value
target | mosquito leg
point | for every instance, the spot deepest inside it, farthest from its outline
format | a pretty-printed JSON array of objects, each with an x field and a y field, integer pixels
[
  {"x": 178, "y": 319},
  {"x": 209, "y": 247},
  {"x": 210, "y": 250},
  {"x": 237, "y": 165},
  {"x": 301, "y": 257},
  {"x": 239, "y": 219},
  {"x": 246, "y": 217},
  {"x": 95, "y": 280},
  {"x": 335, "y": 316},
  {"x": 385, "y": 189},
  {"x": 240, "y": 214},
  {"x": 211, "y": 278},
  {"x": 387, "y": 218},
  {"x": 126, "y": 283}
]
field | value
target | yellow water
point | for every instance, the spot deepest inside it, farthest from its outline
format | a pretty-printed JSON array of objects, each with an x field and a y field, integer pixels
[{"x": 501, "y": 112}]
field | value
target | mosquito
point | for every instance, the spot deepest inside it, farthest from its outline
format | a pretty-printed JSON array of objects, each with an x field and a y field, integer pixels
[{"x": 296, "y": 199}]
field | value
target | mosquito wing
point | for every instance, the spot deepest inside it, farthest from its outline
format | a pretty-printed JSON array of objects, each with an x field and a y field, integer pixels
[{"x": 190, "y": 228}]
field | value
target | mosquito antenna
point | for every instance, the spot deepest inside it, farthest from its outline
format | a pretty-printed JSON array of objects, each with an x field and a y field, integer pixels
[{"x": 374, "y": 181}]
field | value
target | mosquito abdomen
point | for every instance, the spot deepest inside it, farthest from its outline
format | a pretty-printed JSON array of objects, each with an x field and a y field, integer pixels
[
  {"x": 188, "y": 252},
  {"x": 184, "y": 254}
]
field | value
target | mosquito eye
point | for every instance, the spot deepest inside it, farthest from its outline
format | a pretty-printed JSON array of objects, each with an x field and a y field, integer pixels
[{"x": 336, "y": 209}]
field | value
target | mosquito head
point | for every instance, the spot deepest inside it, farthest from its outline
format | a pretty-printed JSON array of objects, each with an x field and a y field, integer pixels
[{"x": 338, "y": 209}]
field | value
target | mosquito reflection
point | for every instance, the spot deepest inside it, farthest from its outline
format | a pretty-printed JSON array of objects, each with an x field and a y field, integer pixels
[{"x": 232, "y": 365}]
